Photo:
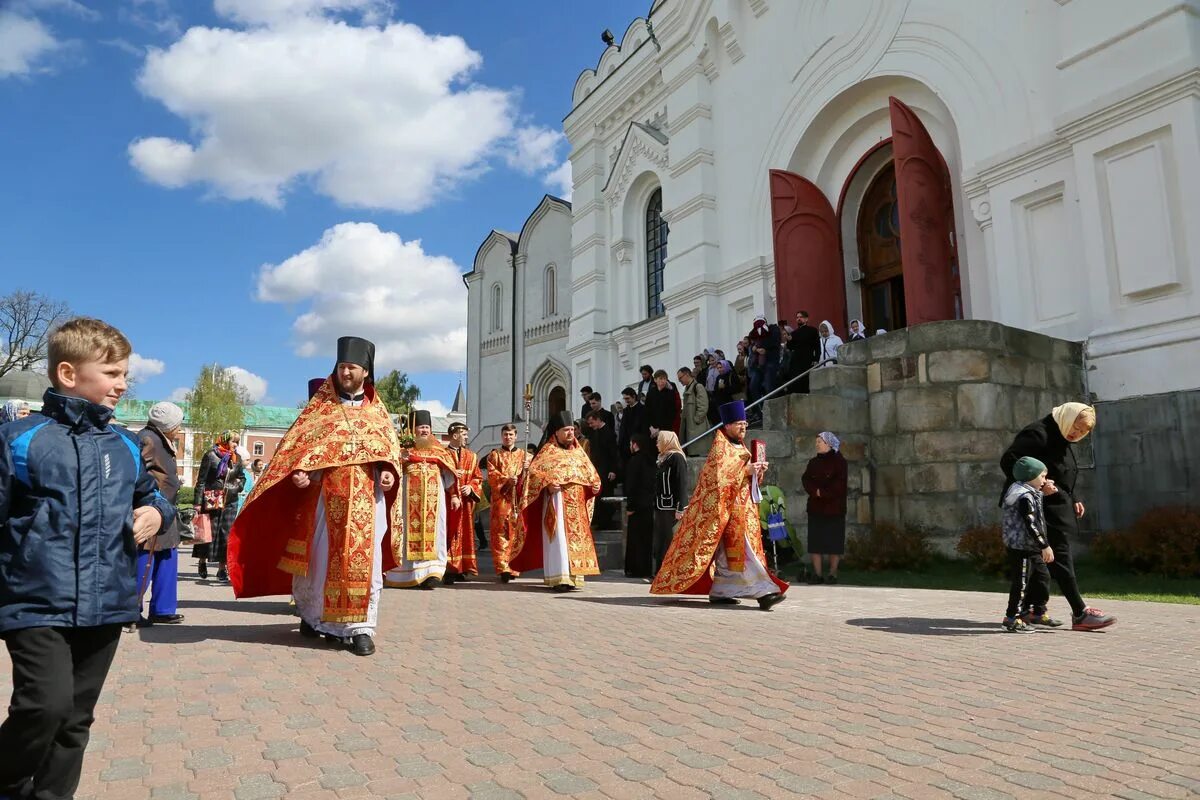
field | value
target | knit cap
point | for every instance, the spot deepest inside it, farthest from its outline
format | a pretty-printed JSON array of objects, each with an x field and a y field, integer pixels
[
  {"x": 166, "y": 416},
  {"x": 1027, "y": 468}
]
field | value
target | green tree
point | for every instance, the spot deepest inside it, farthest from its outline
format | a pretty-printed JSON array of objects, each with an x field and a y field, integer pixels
[
  {"x": 215, "y": 403},
  {"x": 397, "y": 393}
]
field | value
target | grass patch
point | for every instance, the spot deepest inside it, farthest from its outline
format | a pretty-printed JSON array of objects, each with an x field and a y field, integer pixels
[{"x": 1095, "y": 581}]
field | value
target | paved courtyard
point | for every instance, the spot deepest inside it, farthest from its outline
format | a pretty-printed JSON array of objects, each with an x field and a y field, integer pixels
[{"x": 490, "y": 692}]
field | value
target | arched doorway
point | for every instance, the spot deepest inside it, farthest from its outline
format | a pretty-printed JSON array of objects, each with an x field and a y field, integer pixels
[
  {"x": 878, "y": 235},
  {"x": 556, "y": 401}
]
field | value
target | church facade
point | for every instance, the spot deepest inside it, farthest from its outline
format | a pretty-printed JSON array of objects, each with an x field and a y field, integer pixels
[{"x": 1032, "y": 163}]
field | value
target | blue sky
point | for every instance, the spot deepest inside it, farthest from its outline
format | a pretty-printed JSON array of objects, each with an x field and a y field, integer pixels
[{"x": 240, "y": 181}]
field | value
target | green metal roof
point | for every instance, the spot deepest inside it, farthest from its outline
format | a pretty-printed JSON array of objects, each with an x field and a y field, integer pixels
[{"x": 281, "y": 417}]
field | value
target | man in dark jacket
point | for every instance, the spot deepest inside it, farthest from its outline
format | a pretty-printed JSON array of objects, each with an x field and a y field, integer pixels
[
  {"x": 158, "y": 452},
  {"x": 805, "y": 345},
  {"x": 633, "y": 421},
  {"x": 1049, "y": 440},
  {"x": 71, "y": 484},
  {"x": 607, "y": 461},
  {"x": 663, "y": 406}
]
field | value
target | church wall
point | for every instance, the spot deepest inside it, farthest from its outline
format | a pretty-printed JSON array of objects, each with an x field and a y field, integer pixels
[{"x": 1066, "y": 153}]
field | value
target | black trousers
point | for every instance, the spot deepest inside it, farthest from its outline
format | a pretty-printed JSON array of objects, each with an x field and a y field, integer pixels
[
  {"x": 1063, "y": 572},
  {"x": 1022, "y": 568},
  {"x": 664, "y": 532},
  {"x": 639, "y": 544},
  {"x": 57, "y": 677}
]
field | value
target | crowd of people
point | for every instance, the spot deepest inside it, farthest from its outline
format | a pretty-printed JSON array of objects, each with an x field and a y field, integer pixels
[{"x": 346, "y": 507}]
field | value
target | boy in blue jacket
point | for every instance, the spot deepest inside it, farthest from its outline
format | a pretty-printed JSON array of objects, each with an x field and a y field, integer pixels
[{"x": 75, "y": 503}]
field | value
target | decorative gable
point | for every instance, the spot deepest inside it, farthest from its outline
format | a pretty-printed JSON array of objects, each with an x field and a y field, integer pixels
[{"x": 643, "y": 150}]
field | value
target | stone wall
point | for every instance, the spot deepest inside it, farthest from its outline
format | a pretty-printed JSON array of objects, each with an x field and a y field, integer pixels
[
  {"x": 1146, "y": 456},
  {"x": 925, "y": 414}
]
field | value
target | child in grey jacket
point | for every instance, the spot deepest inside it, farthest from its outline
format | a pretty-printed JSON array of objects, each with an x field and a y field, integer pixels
[{"x": 1023, "y": 526}]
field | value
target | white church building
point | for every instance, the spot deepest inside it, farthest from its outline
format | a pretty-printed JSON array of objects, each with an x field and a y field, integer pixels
[{"x": 1031, "y": 162}]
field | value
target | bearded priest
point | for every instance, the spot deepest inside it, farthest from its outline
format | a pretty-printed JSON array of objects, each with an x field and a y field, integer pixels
[
  {"x": 317, "y": 522},
  {"x": 717, "y": 549},
  {"x": 558, "y": 497},
  {"x": 428, "y": 480}
]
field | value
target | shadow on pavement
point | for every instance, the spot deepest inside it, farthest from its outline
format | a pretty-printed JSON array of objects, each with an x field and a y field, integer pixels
[
  {"x": 657, "y": 601},
  {"x": 283, "y": 635},
  {"x": 271, "y": 607},
  {"x": 924, "y": 626}
]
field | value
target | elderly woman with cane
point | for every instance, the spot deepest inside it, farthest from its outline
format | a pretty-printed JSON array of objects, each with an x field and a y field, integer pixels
[
  {"x": 1049, "y": 440},
  {"x": 158, "y": 560},
  {"x": 217, "y": 487}
]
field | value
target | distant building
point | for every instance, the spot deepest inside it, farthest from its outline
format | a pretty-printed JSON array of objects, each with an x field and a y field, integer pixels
[{"x": 264, "y": 429}]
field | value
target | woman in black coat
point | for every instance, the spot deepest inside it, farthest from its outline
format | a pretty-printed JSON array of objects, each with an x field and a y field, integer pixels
[
  {"x": 671, "y": 493},
  {"x": 221, "y": 478},
  {"x": 639, "y": 499},
  {"x": 825, "y": 480},
  {"x": 1049, "y": 440}
]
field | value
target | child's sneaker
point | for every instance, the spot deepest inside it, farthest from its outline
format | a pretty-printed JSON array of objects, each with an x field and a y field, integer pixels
[
  {"x": 1042, "y": 620},
  {"x": 1016, "y": 625},
  {"x": 1092, "y": 619}
]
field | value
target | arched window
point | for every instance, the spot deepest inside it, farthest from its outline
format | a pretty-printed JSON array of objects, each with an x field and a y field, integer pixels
[
  {"x": 656, "y": 254},
  {"x": 550, "y": 291},
  {"x": 259, "y": 449},
  {"x": 497, "y": 307}
]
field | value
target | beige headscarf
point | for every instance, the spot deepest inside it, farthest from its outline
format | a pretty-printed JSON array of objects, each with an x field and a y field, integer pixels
[
  {"x": 668, "y": 443},
  {"x": 1066, "y": 415}
]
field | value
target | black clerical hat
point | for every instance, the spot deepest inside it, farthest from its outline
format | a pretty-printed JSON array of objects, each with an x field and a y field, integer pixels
[
  {"x": 353, "y": 350},
  {"x": 422, "y": 418},
  {"x": 559, "y": 421},
  {"x": 314, "y": 386}
]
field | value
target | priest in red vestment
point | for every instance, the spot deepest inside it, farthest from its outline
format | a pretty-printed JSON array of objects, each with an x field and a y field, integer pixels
[
  {"x": 718, "y": 549},
  {"x": 505, "y": 468},
  {"x": 316, "y": 523},
  {"x": 460, "y": 528},
  {"x": 560, "y": 491}
]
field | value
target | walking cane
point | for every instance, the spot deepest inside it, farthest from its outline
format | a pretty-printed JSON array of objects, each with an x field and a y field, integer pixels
[{"x": 145, "y": 582}]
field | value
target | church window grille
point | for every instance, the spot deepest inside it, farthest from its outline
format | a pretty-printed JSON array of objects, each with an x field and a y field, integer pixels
[
  {"x": 550, "y": 290},
  {"x": 656, "y": 254}
]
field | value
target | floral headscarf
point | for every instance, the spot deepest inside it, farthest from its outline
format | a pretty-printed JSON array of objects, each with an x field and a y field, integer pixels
[
  {"x": 226, "y": 452},
  {"x": 835, "y": 444}
]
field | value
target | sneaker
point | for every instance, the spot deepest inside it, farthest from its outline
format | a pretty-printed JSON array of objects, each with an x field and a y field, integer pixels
[
  {"x": 1092, "y": 619},
  {"x": 1042, "y": 620},
  {"x": 1016, "y": 625}
]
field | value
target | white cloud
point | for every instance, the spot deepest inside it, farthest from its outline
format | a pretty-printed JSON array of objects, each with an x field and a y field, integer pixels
[
  {"x": 361, "y": 281},
  {"x": 374, "y": 117},
  {"x": 255, "y": 385},
  {"x": 436, "y": 408},
  {"x": 534, "y": 149},
  {"x": 141, "y": 367},
  {"x": 560, "y": 181},
  {"x": 24, "y": 44},
  {"x": 156, "y": 16},
  {"x": 179, "y": 395}
]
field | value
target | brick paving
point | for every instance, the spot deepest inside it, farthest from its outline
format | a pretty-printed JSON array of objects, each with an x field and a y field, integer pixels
[{"x": 494, "y": 692}]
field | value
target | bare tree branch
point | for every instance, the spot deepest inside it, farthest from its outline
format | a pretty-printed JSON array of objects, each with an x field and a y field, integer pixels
[{"x": 26, "y": 321}]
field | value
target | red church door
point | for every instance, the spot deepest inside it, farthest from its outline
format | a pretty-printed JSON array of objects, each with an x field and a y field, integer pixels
[
  {"x": 808, "y": 259},
  {"x": 926, "y": 221}
]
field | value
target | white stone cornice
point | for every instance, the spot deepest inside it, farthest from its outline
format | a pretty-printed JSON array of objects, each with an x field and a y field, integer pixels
[
  {"x": 692, "y": 159},
  {"x": 1014, "y": 164},
  {"x": 691, "y": 114},
  {"x": 495, "y": 344},
  {"x": 585, "y": 280},
  {"x": 729, "y": 38},
  {"x": 685, "y": 209},
  {"x": 1140, "y": 101},
  {"x": 754, "y": 269},
  {"x": 759, "y": 7},
  {"x": 583, "y": 209},
  {"x": 1186, "y": 7},
  {"x": 547, "y": 331},
  {"x": 595, "y": 240}
]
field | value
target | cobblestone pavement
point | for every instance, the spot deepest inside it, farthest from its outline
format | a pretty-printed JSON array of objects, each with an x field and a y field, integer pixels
[{"x": 494, "y": 692}]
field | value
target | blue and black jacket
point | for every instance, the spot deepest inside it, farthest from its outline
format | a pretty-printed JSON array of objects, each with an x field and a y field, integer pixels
[{"x": 69, "y": 481}]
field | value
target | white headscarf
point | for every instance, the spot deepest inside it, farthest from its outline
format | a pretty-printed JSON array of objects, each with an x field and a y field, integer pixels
[
  {"x": 862, "y": 332},
  {"x": 830, "y": 439},
  {"x": 1066, "y": 415},
  {"x": 830, "y": 343}
]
